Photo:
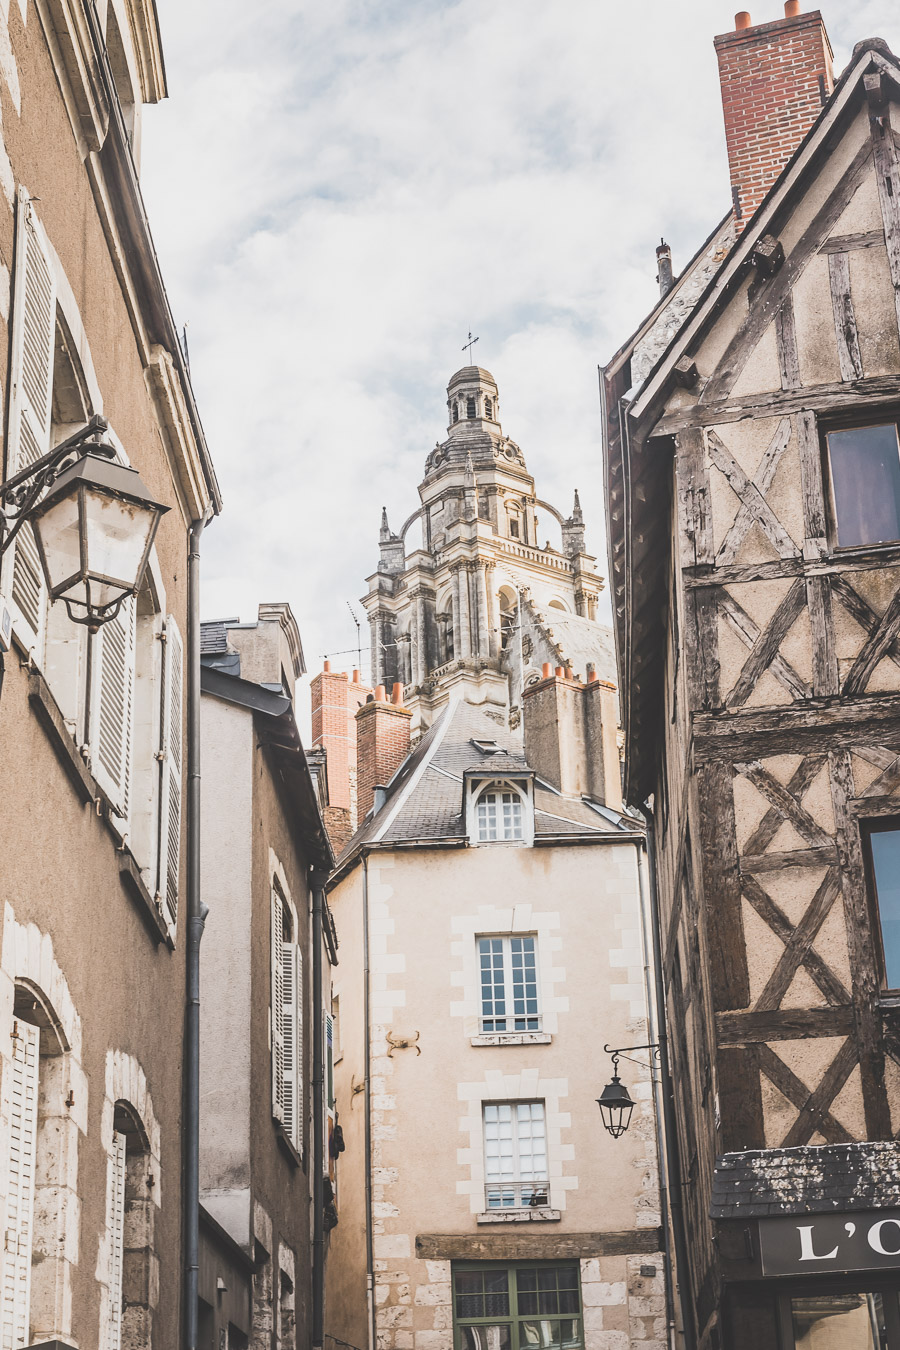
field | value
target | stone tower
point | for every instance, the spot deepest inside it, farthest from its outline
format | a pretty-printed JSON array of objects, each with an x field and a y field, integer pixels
[{"x": 478, "y": 607}]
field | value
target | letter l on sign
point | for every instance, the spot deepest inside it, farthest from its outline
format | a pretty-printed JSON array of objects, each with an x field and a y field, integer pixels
[{"x": 807, "y": 1251}]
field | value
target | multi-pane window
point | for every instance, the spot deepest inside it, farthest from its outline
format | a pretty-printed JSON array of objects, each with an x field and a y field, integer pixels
[
  {"x": 865, "y": 483},
  {"x": 884, "y": 856},
  {"x": 515, "y": 1155},
  {"x": 509, "y": 989},
  {"x": 499, "y": 815},
  {"x": 517, "y": 1307}
]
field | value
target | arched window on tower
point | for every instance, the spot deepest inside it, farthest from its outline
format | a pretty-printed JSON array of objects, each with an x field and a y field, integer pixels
[
  {"x": 456, "y": 412},
  {"x": 470, "y": 407},
  {"x": 445, "y": 638},
  {"x": 507, "y": 599},
  {"x": 489, "y": 408}
]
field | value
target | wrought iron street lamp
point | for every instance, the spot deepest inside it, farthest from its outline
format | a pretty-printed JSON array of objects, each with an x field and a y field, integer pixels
[
  {"x": 94, "y": 523},
  {"x": 615, "y": 1100}
]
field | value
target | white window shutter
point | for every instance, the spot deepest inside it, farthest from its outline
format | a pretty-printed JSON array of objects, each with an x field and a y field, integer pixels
[
  {"x": 112, "y": 706},
  {"x": 115, "y": 1228},
  {"x": 277, "y": 1008},
  {"x": 328, "y": 1094},
  {"x": 289, "y": 1039},
  {"x": 171, "y": 756},
  {"x": 298, "y": 1022},
  {"x": 30, "y": 412},
  {"x": 15, "y": 1293}
]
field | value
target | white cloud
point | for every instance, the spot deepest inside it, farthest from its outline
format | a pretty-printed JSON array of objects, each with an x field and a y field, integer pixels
[{"x": 339, "y": 191}]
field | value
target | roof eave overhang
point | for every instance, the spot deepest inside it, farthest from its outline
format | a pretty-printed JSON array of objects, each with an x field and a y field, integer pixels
[{"x": 629, "y": 431}]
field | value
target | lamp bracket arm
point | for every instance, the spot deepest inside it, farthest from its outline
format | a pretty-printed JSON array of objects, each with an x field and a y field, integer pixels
[
  {"x": 19, "y": 494},
  {"x": 621, "y": 1052}
]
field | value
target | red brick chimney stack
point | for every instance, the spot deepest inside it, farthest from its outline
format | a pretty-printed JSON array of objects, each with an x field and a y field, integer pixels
[
  {"x": 335, "y": 700},
  {"x": 775, "y": 78},
  {"x": 382, "y": 743}
]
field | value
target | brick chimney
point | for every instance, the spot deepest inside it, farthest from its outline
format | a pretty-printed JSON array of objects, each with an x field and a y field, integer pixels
[
  {"x": 775, "y": 78},
  {"x": 335, "y": 700},
  {"x": 382, "y": 743},
  {"x": 571, "y": 735}
]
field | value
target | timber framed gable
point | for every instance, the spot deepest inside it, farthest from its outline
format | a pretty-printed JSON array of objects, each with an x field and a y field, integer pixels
[{"x": 773, "y": 736}]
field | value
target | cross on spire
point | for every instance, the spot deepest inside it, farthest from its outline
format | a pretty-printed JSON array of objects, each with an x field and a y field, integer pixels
[{"x": 467, "y": 347}]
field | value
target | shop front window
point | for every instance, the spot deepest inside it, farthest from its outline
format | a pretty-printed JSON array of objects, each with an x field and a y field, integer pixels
[
  {"x": 844, "y": 1321},
  {"x": 534, "y": 1307}
]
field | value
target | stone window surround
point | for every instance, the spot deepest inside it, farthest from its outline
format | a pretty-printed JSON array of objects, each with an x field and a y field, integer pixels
[
  {"x": 27, "y": 961},
  {"x": 126, "y": 1084},
  {"x": 526, "y": 1085},
  {"x": 510, "y": 921}
]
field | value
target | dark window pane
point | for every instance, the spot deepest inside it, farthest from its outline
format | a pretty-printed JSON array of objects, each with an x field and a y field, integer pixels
[
  {"x": 497, "y": 1281},
  {"x": 865, "y": 476},
  {"x": 486, "y": 1338},
  {"x": 885, "y": 846}
]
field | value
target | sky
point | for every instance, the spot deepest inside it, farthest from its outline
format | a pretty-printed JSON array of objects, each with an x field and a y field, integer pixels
[{"x": 340, "y": 190}]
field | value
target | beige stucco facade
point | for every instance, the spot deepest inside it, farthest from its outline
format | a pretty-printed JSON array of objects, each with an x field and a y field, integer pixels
[{"x": 432, "y": 1071}]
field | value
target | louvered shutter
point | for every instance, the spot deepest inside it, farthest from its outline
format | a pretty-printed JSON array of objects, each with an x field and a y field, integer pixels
[
  {"x": 16, "y": 1287},
  {"x": 112, "y": 706},
  {"x": 31, "y": 391},
  {"x": 172, "y": 726},
  {"x": 115, "y": 1227},
  {"x": 289, "y": 1039},
  {"x": 329, "y": 1092},
  {"x": 298, "y": 1022},
  {"x": 277, "y": 1008}
]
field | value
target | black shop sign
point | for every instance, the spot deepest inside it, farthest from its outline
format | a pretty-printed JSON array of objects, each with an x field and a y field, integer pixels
[{"x": 817, "y": 1244}]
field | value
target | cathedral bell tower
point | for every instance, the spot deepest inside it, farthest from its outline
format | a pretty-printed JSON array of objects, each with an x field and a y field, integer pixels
[{"x": 461, "y": 612}]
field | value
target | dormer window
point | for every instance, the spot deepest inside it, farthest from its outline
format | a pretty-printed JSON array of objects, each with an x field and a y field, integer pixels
[
  {"x": 498, "y": 814},
  {"x": 470, "y": 408}
]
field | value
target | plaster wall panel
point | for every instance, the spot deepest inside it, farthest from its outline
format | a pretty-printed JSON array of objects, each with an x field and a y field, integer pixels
[{"x": 876, "y": 315}]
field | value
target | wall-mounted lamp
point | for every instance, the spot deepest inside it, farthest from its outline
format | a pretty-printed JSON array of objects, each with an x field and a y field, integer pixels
[
  {"x": 94, "y": 523},
  {"x": 615, "y": 1100}
]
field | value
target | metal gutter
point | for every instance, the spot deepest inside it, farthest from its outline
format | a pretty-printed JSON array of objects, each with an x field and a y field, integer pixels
[
  {"x": 370, "y": 1244},
  {"x": 196, "y": 916},
  {"x": 317, "y": 881},
  {"x": 670, "y": 1119}
]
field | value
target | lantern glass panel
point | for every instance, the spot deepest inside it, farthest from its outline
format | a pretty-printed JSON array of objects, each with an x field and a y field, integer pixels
[
  {"x": 59, "y": 539},
  {"x": 118, "y": 532}
]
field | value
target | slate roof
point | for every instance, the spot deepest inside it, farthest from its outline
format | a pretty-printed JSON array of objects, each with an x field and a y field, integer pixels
[
  {"x": 424, "y": 799},
  {"x": 762, "y": 1183},
  {"x": 214, "y": 636},
  {"x": 582, "y": 640}
]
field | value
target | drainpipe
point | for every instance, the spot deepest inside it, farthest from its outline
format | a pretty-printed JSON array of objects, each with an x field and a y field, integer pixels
[
  {"x": 370, "y": 1262},
  {"x": 653, "y": 1028},
  {"x": 670, "y": 1120},
  {"x": 196, "y": 915},
  {"x": 317, "y": 880}
]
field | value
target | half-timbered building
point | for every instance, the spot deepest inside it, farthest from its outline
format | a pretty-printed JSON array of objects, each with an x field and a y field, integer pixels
[{"x": 753, "y": 478}]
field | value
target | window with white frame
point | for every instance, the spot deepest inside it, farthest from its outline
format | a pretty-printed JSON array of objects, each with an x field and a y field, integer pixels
[
  {"x": 287, "y": 1022},
  {"x": 120, "y": 697},
  {"x": 515, "y": 1155},
  {"x": 499, "y": 814},
  {"x": 509, "y": 984}
]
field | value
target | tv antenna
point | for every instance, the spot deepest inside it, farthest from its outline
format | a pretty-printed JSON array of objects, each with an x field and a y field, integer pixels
[
  {"x": 467, "y": 346},
  {"x": 358, "y": 636}
]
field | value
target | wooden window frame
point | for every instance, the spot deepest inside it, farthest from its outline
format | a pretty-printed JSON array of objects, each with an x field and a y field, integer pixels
[
  {"x": 849, "y": 421},
  {"x": 867, "y": 827},
  {"x": 514, "y": 1318},
  {"x": 507, "y": 940}
]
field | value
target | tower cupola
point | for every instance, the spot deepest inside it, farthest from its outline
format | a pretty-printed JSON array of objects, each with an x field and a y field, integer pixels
[{"x": 472, "y": 401}]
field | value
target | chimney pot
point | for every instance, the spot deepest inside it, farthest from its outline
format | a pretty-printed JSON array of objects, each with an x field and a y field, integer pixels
[
  {"x": 560, "y": 672},
  {"x": 546, "y": 670},
  {"x": 569, "y": 675},
  {"x": 327, "y": 665},
  {"x": 380, "y": 695},
  {"x": 591, "y": 672},
  {"x": 763, "y": 70},
  {"x": 397, "y": 695},
  {"x": 356, "y": 677}
]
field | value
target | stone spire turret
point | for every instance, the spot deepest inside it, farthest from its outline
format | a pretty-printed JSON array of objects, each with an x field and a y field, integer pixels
[
  {"x": 391, "y": 553},
  {"x": 573, "y": 530}
]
